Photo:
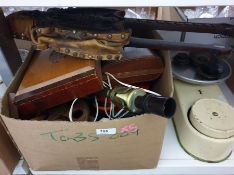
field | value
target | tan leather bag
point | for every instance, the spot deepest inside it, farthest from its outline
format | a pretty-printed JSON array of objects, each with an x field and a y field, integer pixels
[{"x": 84, "y": 44}]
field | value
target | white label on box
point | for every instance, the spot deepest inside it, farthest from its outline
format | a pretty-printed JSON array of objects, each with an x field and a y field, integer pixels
[{"x": 107, "y": 131}]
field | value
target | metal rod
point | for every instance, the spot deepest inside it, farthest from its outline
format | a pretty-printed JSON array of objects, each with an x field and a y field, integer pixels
[{"x": 167, "y": 45}]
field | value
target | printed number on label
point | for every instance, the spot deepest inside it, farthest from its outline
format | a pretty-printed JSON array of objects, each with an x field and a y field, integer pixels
[{"x": 106, "y": 131}]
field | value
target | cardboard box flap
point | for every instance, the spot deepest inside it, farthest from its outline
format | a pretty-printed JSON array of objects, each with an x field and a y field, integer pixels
[
  {"x": 164, "y": 85},
  {"x": 9, "y": 155}
]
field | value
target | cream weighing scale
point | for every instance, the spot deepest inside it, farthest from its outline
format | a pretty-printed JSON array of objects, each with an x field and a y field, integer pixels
[{"x": 204, "y": 121}]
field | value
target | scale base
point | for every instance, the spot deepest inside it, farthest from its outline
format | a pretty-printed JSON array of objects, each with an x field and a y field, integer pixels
[{"x": 195, "y": 143}]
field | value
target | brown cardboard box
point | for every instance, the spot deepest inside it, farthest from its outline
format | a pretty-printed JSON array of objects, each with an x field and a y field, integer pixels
[
  {"x": 9, "y": 155},
  {"x": 58, "y": 145}
]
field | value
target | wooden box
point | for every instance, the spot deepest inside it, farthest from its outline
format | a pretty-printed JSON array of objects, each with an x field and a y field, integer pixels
[{"x": 52, "y": 79}]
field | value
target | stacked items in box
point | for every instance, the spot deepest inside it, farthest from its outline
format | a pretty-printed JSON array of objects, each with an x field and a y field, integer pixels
[
  {"x": 79, "y": 71},
  {"x": 88, "y": 64},
  {"x": 39, "y": 102}
]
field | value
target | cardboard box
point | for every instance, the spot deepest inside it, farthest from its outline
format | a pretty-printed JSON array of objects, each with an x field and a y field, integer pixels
[
  {"x": 9, "y": 155},
  {"x": 58, "y": 145}
]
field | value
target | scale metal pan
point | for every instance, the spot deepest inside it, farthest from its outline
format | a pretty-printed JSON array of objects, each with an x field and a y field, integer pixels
[{"x": 188, "y": 73}]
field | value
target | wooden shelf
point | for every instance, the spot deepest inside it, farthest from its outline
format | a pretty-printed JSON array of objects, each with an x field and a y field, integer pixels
[{"x": 114, "y": 3}]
